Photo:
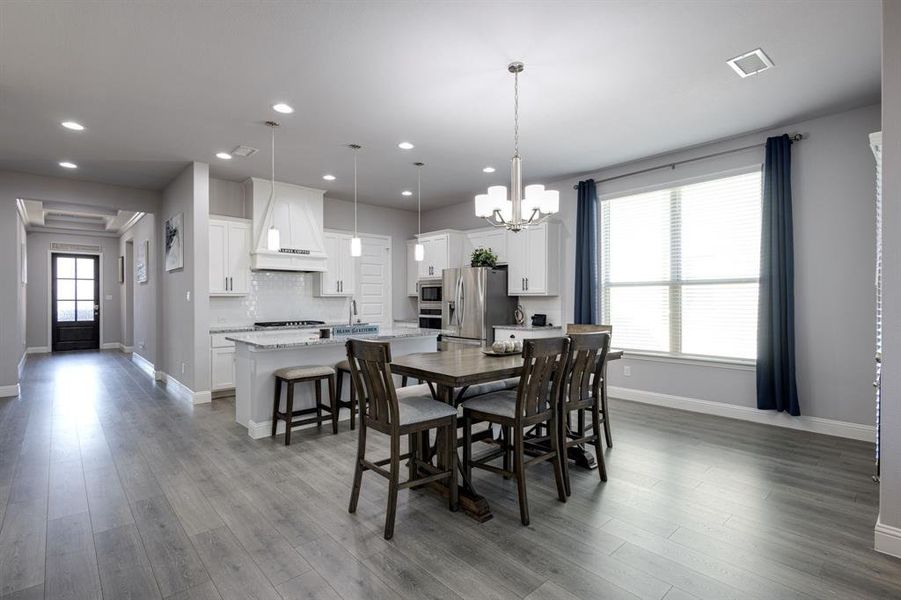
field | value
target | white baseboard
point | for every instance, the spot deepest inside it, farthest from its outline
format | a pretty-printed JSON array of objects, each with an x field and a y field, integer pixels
[
  {"x": 38, "y": 350},
  {"x": 110, "y": 346},
  {"x": 9, "y": 391},
  {"x": 263, "y": 429},
  {"x": 887, "y": 539},
  {"x": 202, "y": 397},
  {"x": 145, "y": 365},
  {"x": 183, "y": 392},
  {"x": 854, "y": 431},
  {"x": 126, "y": 349}
]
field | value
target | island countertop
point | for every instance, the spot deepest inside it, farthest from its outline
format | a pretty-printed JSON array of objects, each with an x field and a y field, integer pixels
[{"x": 296, "y": 338}]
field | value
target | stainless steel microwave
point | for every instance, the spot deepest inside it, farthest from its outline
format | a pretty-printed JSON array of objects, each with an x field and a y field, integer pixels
[{"x": 430, "y": 290}]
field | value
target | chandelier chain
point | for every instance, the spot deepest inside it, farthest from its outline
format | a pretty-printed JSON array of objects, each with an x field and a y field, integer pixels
[
  {"x": 419, "y": 197},
  {"x": 516, "y": 113}
]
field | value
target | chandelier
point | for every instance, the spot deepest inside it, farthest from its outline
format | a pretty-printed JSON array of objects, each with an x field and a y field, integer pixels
[{"x": 519, "y": 210}]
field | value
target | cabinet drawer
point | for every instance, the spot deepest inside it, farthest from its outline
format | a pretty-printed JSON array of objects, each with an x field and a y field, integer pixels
[
  {"x": 217, "y": 340},
  {"x": 525, "y": 334}
]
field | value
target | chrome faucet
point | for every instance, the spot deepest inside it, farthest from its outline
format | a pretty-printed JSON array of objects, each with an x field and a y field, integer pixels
[{"x": 351, "y": 311}]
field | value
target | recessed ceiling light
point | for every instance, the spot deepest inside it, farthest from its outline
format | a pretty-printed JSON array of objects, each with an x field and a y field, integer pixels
[
  {"x": 224, "y": 155},
  {"x": 68, "y": 165},
  {"x": 73, "y": 125},
  {"x": 406, "y": 193},
  {"x": 328, "y": 177},
  {"x": 750, "y": 63},
  {"x": 405, "y": 146},
  {"x": 488, "y": 170},
  {"x": 283, "y": 108}
]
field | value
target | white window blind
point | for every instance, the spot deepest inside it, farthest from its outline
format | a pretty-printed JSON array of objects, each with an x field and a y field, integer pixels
[{"x": 680, "y": 268}]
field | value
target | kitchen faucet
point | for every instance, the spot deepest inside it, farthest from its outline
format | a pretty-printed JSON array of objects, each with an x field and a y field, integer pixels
[{"x": 351, "y": 311}]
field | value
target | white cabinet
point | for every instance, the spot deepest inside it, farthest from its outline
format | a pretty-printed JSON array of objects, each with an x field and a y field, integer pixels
[
  {"x": 222, "y": 363},
  {"x": 442, "y": 250},
  {"x": 522, "y": 333},
  {"x": 338, "y": 278},
  {"x": 494, "y": 239},
  {"x": 534, "y": 261},
  {"x": 412, "y": 268},
  {"x": 230, "y": 241}
]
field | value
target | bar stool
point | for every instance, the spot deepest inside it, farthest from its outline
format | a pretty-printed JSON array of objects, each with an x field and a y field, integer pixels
[
  {"x": 295, "y": 375},
  {"x": 343, "y": 368}
]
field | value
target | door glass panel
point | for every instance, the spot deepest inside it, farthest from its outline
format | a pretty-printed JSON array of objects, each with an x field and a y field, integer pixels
[
  {"x": 85, "y": 289},
  {"x": 65, "y": 289},
  {"x": 65, "y": 267},
  {"x": 85, "y": 268},
  {"x": 85, "y": 310},
  {"x": 65, "y": 310}
]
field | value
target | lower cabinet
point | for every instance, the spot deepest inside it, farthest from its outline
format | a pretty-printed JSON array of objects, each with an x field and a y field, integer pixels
[
  {"x": 520, "y": 333},
  {"x": 222, "y": 363}
]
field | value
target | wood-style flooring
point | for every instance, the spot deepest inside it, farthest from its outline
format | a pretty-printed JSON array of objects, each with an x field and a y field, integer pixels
[{"x": 110, "y": 488}]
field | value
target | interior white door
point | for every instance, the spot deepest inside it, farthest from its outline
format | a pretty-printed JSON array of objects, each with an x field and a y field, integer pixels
[{"x": 374, "y": 282}]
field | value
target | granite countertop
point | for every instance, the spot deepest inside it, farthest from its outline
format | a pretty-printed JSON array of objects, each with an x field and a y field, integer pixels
[
  {"x": 242, "y": 328},
  {"x": 526, "y": 326},
  {"x": 274, "y": 340}
]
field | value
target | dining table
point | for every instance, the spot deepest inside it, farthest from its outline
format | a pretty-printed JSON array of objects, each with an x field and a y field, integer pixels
[{"x": 448, "y": 372}]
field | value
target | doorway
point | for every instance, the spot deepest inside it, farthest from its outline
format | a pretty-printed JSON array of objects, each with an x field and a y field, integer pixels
[{"x": 75, "y": 302}]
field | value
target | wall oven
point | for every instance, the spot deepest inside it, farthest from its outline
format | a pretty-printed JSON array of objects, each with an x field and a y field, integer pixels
[
  {"x": 429, "y": 316},
  {"x": 430, "y": 290}
]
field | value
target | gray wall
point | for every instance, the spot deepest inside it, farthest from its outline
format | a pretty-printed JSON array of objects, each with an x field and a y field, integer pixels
[
  {"x": 15, "y": 185},
  {"x": 227, "y": 198},
  {"x": 38, "y": 294},
  {"x": 890, "y": 487},
  {"x": 145, "y": 306},
  {"x": 834, "y": 241},
  {"x": 184, "y": 293}
]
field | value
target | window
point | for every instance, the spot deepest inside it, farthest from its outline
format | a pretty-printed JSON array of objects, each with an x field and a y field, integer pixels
[{"x": 680, "y": 268}]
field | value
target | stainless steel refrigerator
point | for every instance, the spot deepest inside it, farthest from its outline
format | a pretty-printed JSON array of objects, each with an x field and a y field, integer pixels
[{"x": 474, "y": 301}]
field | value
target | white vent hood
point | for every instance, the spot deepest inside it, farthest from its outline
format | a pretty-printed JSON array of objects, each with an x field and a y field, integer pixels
[{"x": 297, "y": 213}]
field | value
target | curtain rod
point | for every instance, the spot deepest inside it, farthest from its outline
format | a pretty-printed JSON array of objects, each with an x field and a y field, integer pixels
[{"x": 795, "y": 137}]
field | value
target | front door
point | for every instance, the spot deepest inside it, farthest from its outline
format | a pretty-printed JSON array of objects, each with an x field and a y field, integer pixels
[{"x": 75, "y": 302}]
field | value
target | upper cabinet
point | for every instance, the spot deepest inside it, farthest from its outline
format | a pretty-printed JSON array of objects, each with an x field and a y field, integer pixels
[
  {"x": 412, "y": 268},
  {"x": 230, "y": 241},
  {"x": 534, "y": 261},
  {"x": 338, "y": 278},
  {"x": 443, "y": 250},
  {"x": 494, "y": 239}
]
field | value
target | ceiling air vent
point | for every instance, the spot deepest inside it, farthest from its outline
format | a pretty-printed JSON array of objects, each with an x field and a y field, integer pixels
[
  {"x": 244, "y": 151},
  {"x": 751, "y": 63}
]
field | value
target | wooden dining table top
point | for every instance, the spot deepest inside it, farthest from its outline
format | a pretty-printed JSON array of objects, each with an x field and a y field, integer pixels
[{"x": 457, "y": 368}]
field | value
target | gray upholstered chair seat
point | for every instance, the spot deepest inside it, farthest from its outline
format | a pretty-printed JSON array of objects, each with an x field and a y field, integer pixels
[
  {"x": 480, "y": 389},
  {"x": 418, "y": 409},
  {"x": 502, "y": 403},
  {"x": 304, "y": 372}
]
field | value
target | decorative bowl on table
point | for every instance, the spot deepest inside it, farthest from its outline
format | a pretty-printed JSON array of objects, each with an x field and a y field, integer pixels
[{"x": 503, "y": 348}]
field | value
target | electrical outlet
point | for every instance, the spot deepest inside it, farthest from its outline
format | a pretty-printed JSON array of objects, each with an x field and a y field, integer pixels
[{"x": 627, "y": 371}]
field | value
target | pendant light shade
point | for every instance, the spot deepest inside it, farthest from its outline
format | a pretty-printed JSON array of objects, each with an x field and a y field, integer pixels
[
  {"x": 356, "y": 244},
  {"x": 419, "y": 249},
  {"x": 523, "y": 207},
  {"x": 273, "y": 236}
]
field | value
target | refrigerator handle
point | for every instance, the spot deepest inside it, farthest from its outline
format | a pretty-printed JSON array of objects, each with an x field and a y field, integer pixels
[{"x": 461, "y": 315}]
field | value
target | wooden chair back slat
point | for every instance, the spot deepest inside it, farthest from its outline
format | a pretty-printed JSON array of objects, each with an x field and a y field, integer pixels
[
  {"x": 544, "y": 366},
  {"x": 588, "y": 353},
  {"x": 370, "y": 370}
]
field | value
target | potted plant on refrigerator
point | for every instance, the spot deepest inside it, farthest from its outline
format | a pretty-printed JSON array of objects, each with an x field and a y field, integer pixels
[{"x": 483, "y": 257}]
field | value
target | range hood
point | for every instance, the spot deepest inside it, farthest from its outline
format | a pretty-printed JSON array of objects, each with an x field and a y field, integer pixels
[{"x": 297, "y": 213}]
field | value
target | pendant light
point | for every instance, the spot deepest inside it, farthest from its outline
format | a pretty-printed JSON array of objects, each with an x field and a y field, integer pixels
[
  {"x": 419, "y": 249},
  {"x": 518, "y": 211},
  {"x": 356, "y": 245},
  {"x": 273, "y": 237}
]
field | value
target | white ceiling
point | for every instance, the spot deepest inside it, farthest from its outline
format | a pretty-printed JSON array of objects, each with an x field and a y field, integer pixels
[{"x": 160, "y": 83}]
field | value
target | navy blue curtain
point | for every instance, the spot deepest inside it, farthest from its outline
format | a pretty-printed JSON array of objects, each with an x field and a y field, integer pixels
[
  {"x": 586, "y": 292},
  {"x": 776, "y": 387}
]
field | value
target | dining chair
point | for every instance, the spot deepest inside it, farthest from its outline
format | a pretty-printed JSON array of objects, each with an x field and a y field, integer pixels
[
  {"x": 409, "y": 411},
  {"x": 591, "y": 328},
  {"x": 535, "y": 401},
  {"x": 582, "y": 393}
]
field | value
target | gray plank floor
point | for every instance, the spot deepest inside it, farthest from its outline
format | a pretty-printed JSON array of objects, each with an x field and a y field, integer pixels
[{"x": 109, "y": 488}]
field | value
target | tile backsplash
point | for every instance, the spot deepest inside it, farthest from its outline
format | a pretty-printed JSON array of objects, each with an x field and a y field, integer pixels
[
  {"x": 277, "y": 296},
  {"x": 549, "y": 305}
]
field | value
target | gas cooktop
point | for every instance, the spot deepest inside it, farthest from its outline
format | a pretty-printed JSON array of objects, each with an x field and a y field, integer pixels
[{"x": 287, "y": 323}]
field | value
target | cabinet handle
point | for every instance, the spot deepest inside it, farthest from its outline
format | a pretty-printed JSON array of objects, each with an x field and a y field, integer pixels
[
  {"x": 527, "y": 284},
  {"x": 341, "y": 285},
  {"x": 231, "y": 284}
]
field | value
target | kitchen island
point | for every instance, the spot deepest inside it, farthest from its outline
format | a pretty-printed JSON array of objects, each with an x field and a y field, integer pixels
[{"x": 260, "y": 353}]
